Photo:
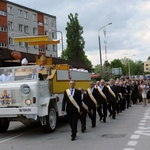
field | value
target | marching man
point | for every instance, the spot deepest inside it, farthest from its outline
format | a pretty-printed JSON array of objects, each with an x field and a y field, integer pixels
[{"x": 72, "y": 105}]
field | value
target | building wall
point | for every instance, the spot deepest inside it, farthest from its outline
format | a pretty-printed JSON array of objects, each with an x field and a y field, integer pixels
[
  {"x": 147, "y": 66},
  {"x": 3, "y": 25},
  {"x": 30, "y": 20}
]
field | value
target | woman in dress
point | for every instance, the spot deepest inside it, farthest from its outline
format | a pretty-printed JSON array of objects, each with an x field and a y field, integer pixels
[{"x": 144, "y": 88}]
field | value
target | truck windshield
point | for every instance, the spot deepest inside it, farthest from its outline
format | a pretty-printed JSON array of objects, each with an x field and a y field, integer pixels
[{"x": 19, "y": 73}]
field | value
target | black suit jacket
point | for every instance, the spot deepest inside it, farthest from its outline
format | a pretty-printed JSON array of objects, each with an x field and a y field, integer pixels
[
  {"x": 110, "y": 96},
  {"x": 105, "y": 91},
  {"x": 67, "y": 104},
  {"x": 84, "y": 99},
  {"x": 95, "y": 94}
]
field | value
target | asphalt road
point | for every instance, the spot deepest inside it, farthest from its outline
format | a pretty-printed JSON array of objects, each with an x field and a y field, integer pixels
[{"x": 129, "y": 131}]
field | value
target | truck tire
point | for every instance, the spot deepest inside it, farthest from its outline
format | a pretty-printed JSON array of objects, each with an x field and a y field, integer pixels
[
  {"x": 4, "y": 124},
  {"x": 51, "y": 121}
]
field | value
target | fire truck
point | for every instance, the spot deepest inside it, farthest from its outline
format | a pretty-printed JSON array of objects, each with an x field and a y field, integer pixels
[{"x": 28, "y": 100}]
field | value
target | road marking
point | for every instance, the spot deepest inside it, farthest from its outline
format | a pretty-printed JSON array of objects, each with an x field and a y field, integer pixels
[
  {"x": 13, "y": 137},
  {"x": 135, "y": 137},
  {"x": 142, "y": 131},
  {"x": 141, "y": 124},
  {"x": 132, "y": 143},
  {"x": 146, "y": 114},
  {"x": 129, "y": 149},
  {"x": 143, "y": 121},
  {"x": 146, "y": 117}
]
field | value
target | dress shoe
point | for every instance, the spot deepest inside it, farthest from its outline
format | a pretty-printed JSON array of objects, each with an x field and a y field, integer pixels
[
  {"x": 113, "y": 117},
  {"x": 93, "y": 126},
  {"x": 101, "y": 117},
  {"x": 104, "y": 120},
  {"x": 73, "y": 138},
  {"x": 82, "y": 130}
]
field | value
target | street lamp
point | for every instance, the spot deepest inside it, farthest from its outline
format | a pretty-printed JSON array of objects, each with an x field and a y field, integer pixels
[
  {"x": 99, "y": 41},
  {"x": 61, "y": 36},
  {"x": 129, "y": 67}
]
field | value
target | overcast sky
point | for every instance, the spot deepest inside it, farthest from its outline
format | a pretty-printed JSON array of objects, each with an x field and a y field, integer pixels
[{"x": 128, "y": 35}]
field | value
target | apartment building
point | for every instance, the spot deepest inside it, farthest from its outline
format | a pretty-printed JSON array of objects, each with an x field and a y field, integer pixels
[
  {"x": 17, "y": 20},
  {"x": 147, "y": 66}
]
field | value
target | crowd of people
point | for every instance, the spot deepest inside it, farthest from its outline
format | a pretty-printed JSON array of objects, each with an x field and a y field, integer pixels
[{"x": 103, "y": 98}]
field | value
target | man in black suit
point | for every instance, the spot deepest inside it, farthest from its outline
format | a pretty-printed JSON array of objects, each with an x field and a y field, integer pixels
[
  {"x": 72, "y": 105},
  {"x": 112, "y": 98},
  {"x": 93, "y": 102},
  {"x": 84, "y": 109},
  {"x": 127, "y": 94},
  {"x": 103, "y": 93}
]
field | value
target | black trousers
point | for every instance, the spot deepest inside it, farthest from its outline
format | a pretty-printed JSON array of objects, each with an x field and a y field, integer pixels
[
  {"x": 73, "y": 120},
  {"x": 83, "y": 120},
  {"x": 127, "y": 97},
  {"x": 92, "y": 115},
  {"x": 112, "y": 108},
  {"x": 102, "y": 110}
]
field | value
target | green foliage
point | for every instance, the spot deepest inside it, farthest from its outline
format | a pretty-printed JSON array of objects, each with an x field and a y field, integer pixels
[
  {"x": 148, "y": 58},
  {"x": 75, "y": 42},
  {"x": 116, "y": 63},
  {"x": 136, "y": 68}
]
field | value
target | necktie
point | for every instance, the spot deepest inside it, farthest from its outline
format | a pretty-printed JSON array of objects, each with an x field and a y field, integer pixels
[{"x": 71, "y": 91}]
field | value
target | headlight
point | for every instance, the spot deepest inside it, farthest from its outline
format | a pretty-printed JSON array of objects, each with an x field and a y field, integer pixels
[
  {"x": 25, "y": 90},
  {"x": 28, "y": 102}
]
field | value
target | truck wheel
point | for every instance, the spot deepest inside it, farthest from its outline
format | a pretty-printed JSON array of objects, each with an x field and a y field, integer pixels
[
  {"x": 4, "y": 124},
  {"x": 51, "y": 121}
]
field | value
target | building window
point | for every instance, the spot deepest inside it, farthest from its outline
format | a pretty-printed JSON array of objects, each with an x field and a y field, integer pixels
[
  {"x": 34, "y": 17},
  {"x": 54, "y": 48},
  {"x": 146, "y": 68},
  {"x": 53, "y": 23},
  {"x": 53, "y": 35},
  {"x": 4, "y": 45},
  {"x": 11, "y": 41},
  {"x": 3, "y": 29},
  {"x": 46, "y": 32},
  {"x": 46, "y": 46},
  {"x": 20, "y": 13},
  {"x": 41, "y": 50},
  {"x": 20, "y": 26},
  {"x": 36, "y": 46},
  {"x": 21, "y": 44},
  {"x": 26, "y": 16},
  {"x": 146, "y": 64},
  {"x": 45, "y": 20},
  {"x": 10, "y": 10},
  {"x": 35, "y": 31},
  {"x": 3, "y": 13},
  {"x": 10, "y": 25},
  {"x": 40, "y": 23},
  {"x": 26, "y": 29}
]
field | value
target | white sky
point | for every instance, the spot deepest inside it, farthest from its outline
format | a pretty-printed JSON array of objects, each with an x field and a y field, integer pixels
[{"x": 128, "y": 35}]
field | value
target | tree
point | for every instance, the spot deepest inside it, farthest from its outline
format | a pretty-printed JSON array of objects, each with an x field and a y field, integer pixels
[
  {"x": 148, "y": 58},
  {"x": 75, "y": 42},
  {"x": 116, "y": 63}
]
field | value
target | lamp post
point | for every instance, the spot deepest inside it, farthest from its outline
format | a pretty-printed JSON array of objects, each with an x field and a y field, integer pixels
[
  {"x": 61, "y": 36},
  {"x": 129, "y": 67},
  {"x": 99, "y": 41}
]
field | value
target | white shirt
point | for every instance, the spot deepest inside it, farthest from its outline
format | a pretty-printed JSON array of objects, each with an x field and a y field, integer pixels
[
  {"x": 4, "y": 78},
  {"x": 72, "y": 91},
  {"x": 41, "y": 67}
]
